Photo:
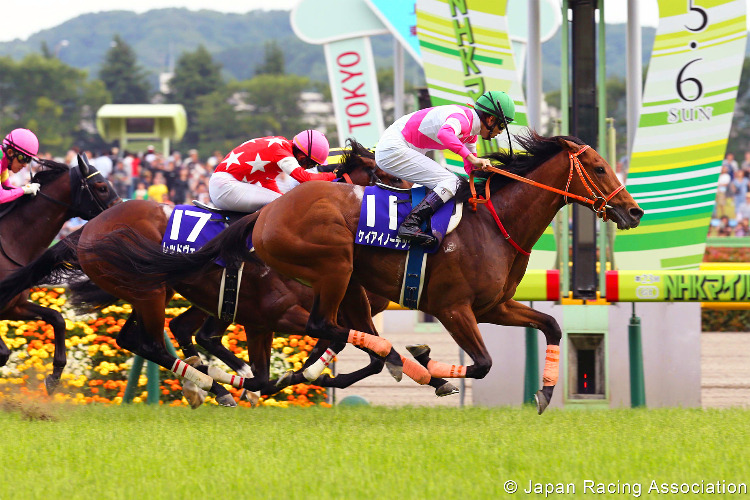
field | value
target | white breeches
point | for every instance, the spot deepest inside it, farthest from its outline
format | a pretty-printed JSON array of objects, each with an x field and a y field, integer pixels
[
  {"x": 395, "y": 156},
  {"x": 227, "y": 193}
]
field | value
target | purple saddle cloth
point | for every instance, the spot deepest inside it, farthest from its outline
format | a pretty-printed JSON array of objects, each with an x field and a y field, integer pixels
[{"x": 384, "y": 209}]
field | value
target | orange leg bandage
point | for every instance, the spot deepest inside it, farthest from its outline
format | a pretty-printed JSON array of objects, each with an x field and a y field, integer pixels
[
  {"x": 551, "y": 365},
  {"x": 378, "y": 345},
  {"x": 415, "y": 371},
  {"x": 443, "y": 370}
]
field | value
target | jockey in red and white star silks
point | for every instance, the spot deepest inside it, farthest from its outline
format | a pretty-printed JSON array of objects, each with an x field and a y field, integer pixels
[{"x": 246, "y": 179}]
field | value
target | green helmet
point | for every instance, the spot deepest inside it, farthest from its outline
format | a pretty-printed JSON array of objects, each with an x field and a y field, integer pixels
[{"x": 497, "y": 103}]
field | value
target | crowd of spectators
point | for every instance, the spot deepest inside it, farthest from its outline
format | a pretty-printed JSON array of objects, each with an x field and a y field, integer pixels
[
  {"x": 146, "y": 175},
  {"x": 731, "y": 215},
  {"x": 149, "y": 175}
]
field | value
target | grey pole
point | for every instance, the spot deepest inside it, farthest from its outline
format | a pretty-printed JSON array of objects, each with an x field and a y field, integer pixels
[
  {"x": 398, "y": 80},
  {"x": 634, "y": 76},
  {"x": 534, "y": 68}
]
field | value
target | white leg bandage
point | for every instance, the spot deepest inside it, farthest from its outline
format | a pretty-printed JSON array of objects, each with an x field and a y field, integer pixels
[
  {"x": 313, "y": 371},
  {"x": 245, "y": 371},
  {"x": 223, "y": 377},
  {"x": 184, "y": 370}
]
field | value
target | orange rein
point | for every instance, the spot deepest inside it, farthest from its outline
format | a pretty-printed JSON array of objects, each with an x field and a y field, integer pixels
[{"x": 598, "y": 203}]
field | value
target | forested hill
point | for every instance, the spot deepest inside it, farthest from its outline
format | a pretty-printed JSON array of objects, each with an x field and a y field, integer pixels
[{"x": 236, "y": 41}]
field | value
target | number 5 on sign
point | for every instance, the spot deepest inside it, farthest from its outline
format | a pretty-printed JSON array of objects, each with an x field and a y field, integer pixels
[{"x": 202, "y": 217}]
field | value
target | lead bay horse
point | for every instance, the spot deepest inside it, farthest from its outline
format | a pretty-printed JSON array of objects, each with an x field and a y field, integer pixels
[
  {"x": 29, "y": 226},
  {"x": 309, "y": 234}
]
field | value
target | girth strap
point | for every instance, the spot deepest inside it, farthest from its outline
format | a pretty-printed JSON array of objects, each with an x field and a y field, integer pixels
[{"x": 229, "y": 293}]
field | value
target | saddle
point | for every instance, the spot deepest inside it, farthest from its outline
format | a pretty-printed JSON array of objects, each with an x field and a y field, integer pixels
[
  {"x": 229, "y": 217},
  {"x": 189, "y": 229},
  {"x": 384, "y": 208}
]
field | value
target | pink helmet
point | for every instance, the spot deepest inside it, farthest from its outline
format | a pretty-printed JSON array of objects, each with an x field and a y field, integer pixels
[
  {"x": 313, "y": 144},
  {"x": 23, "y": 140}
]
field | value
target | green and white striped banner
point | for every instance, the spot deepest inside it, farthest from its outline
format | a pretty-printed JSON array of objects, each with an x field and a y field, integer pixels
[
  {"x": 685, "y": 120},
  {"x": 466, "y": 51}
]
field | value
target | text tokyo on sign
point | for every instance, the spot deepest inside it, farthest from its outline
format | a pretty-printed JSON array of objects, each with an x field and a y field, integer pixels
[
  {"x": 354, "y": 90},
  {"x": 351, "y": 80}
]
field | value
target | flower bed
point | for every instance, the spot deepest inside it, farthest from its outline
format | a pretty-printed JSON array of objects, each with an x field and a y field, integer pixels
[
  {"x": 98, "y": 369},
  {"x": 725, "y": 320}
]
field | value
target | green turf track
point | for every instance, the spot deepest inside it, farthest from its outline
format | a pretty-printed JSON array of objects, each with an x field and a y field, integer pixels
[{"x": 361, "y": 452}]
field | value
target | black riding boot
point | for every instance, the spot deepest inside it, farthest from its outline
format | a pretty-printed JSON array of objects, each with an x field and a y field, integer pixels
[{"x": 409, "y": 230}]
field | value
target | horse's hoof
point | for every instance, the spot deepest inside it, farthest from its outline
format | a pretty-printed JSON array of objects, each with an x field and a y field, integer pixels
[
  {"x": 285, "y": 380},
  {"x": 395, "y": 365},
  {"x": 446, "y": 390},
  {"x": 541, "y": 402},
  {"x": 50, "y": 383},
  {"x": 312, "y": 372},
  {"x": 194, "y": 395},
  {"x": 251, "y": 397},
  {"x": 418, "y": 349},
  {"x": 226, "y": 400},
  {"x": 193, "y": 361}
]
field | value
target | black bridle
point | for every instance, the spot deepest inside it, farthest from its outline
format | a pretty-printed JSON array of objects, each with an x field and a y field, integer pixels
[{"x": 84, "y": 202}]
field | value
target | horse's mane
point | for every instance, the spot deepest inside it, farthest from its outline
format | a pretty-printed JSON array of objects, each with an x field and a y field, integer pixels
[
  {"x": 350, "y": 159},
  {"x": 51, "y": 171},
  {"x": 537, "y": 150}
]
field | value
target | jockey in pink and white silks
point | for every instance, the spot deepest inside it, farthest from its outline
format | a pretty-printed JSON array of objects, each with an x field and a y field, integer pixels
[
  {"x": 18, "y": 149},
  {"x": 401, "y": 151}
]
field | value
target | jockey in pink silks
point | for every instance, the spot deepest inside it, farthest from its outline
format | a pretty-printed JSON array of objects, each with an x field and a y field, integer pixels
[
  {"x": 18, "y": 149},
  {"x": 401, "y": 151}
]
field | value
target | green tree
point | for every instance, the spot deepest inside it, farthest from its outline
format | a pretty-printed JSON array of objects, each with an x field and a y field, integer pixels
[
  {"x": 739, "y": 137},
  {"x": 273, "y": 63},
  {"x": 51, "y": 98},
  {"x": 196, "y": 75},
  {"x": 216, "y": 122},
  {"x": 274, "y": 103},
  {"x": 123, "y": 77}
]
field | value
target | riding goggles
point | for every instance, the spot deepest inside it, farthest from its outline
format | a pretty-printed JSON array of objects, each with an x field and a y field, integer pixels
[{"x": 21, "y": 157}]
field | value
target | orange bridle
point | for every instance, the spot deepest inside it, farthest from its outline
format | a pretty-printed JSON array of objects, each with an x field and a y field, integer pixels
[{"x": 598, "y": 202}]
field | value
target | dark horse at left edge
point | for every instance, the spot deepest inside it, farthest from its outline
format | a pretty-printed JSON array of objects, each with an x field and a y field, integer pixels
[{"x": 29, "y": 225}]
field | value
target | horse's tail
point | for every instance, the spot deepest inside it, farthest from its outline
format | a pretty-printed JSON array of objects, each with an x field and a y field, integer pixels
[
  {"x": 58, "y": 265},
  {"x": 149, "y": 267},
  {"x": 86, "y": 297}
]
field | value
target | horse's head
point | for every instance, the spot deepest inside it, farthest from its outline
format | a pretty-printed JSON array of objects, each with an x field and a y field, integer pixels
[
  {"x": 358, "y": 163},
  {"x": 591, "y": 177},
  {"x": 89, "y": 192}
]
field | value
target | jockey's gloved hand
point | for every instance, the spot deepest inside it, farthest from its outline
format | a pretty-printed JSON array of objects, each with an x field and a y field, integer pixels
[
  {"x": 478, "y": 163},
  {"x": 31, "y": 189}
]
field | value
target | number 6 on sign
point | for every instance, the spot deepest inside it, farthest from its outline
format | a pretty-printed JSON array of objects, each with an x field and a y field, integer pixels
[{"x": 203, "y": 218}]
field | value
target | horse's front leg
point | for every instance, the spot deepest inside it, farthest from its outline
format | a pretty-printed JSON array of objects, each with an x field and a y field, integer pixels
[
  {"x": 24, "y": 310},
  {"x": 513, "y": 313},
  {"x": 460, "y": 322}
]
